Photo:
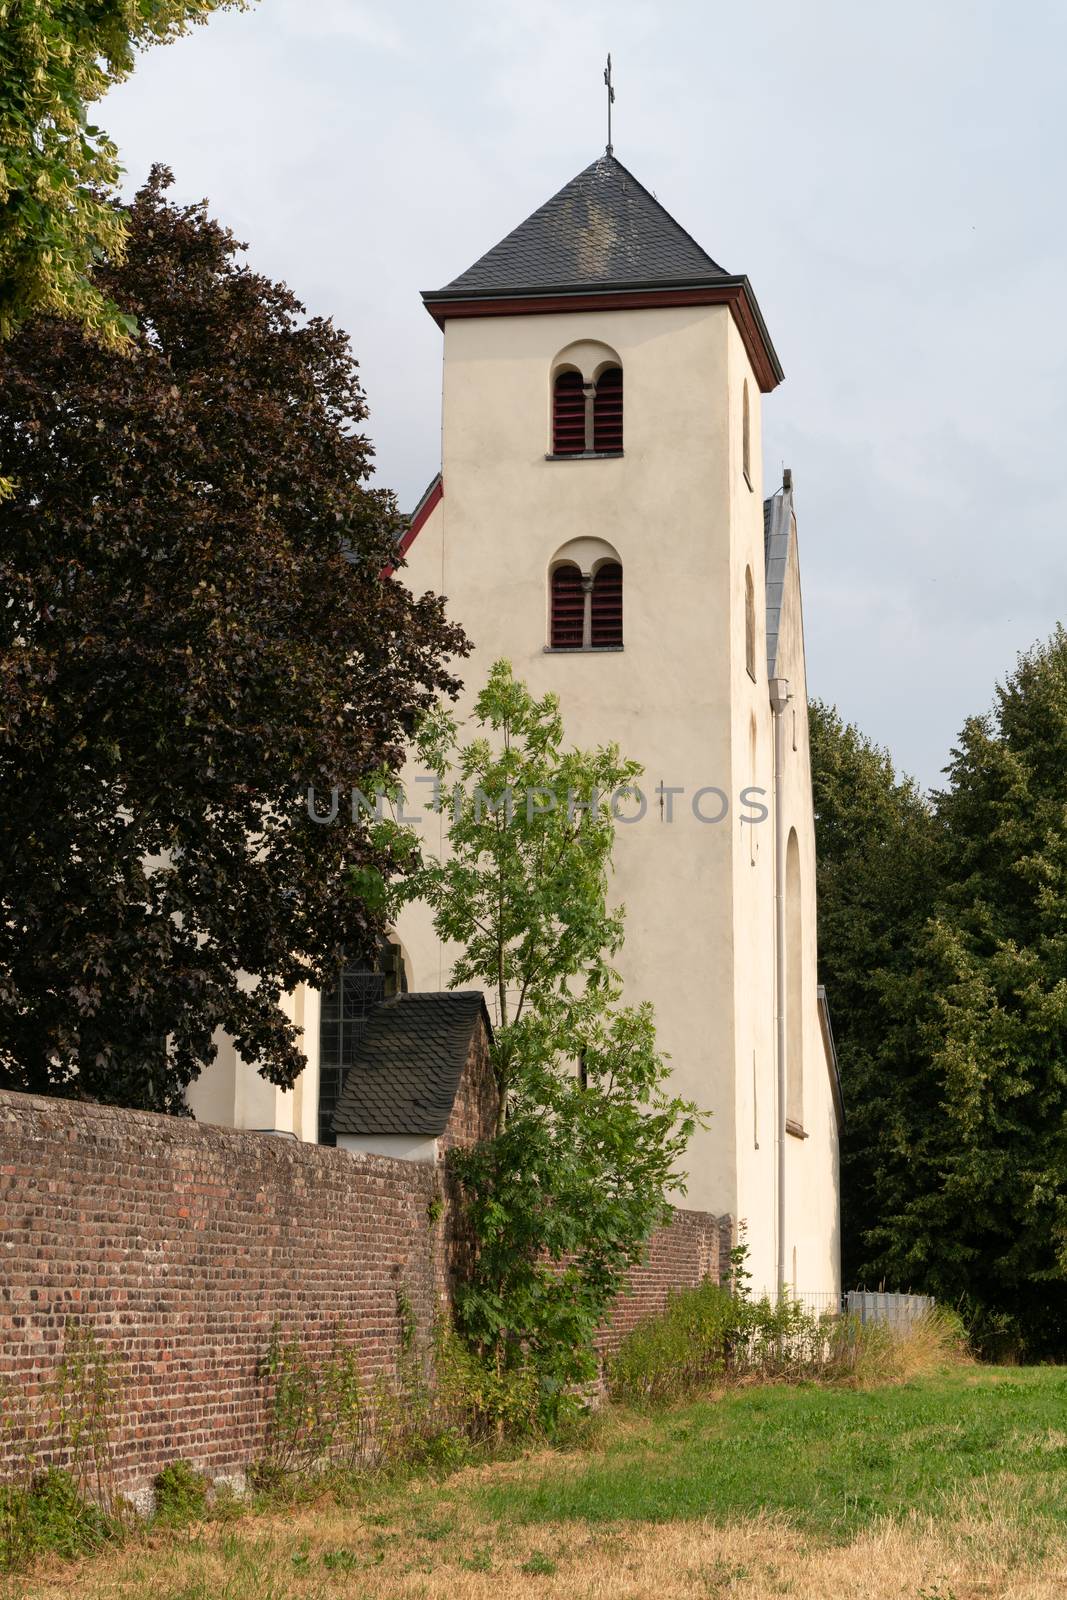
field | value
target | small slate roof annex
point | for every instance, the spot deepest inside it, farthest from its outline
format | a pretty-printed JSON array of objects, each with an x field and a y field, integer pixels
[
  {"x": 406, "y": 1071},
  {"x": 602, "y": 230}
]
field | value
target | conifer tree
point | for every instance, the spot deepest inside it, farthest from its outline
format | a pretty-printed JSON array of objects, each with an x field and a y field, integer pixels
[
  {"x": 877, "y": 861},
  {"x": 943, "y": 941},
  {"x": 985, "y": 1223}
]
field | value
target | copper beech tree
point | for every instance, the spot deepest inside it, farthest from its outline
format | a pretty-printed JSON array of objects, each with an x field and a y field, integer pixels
[{"x": 195, "y": 628}]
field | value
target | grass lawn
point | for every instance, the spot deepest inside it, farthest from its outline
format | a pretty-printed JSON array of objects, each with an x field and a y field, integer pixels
[
  {"x": 830, "y": 1460},
  {"x": 945, "y": 1488}
]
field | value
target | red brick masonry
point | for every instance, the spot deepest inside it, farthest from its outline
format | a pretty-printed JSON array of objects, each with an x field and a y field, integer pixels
[
  {"x": 680, "y": 1256},
  {"x": 183, "y": 1244}
]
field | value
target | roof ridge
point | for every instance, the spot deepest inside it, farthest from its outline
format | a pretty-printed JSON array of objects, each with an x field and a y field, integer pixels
[
  {"x": 433, "y": 994},
  {"x": 656, "y": 201}
]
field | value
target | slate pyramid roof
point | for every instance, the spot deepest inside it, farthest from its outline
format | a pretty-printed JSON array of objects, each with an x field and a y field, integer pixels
[{"x": 603, "y": 230}]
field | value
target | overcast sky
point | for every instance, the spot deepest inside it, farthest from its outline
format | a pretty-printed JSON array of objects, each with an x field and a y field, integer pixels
[{"x": 891, "y": 180}]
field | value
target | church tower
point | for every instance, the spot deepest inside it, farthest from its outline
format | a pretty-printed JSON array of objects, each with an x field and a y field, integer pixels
[{"x": 598, "y": 520}]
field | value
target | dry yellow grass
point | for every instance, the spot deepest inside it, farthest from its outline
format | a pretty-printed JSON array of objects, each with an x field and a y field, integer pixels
[
  {"x": 960, "y": 1484},
  {"x": 925, "y": 1346},
  {"x": 331, "y": 1553}
]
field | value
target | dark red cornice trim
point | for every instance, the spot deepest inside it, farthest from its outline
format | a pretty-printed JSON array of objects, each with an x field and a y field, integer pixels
[
  {"x": 765, "y": 363},
  {"x": 419, "y": 517}
]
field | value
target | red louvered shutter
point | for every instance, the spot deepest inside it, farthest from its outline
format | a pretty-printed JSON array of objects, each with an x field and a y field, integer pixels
[
  {"x": 568, "y": 609},
  {"x": 606, "y": 626},
  {"x": 568, "y": 415},
  {"x": 607, "y": 411}
]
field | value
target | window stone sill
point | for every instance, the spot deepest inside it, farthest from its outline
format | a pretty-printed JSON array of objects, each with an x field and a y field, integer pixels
[
  {"x": 583, "y": 649},
  {"x": 586, "y": 455},
  {"x": 795, "y": 1129}
]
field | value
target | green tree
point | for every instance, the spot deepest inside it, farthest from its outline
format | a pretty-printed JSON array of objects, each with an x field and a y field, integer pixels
[
  {"x": 55, "y": 222},
  {"x": 985, "y": 1223},
  {"x": 194, "y": 628},
  {"x": 877, "y": 854},
  {"x": 563, "y": 1199},
  {"x": 943, "y": 939}
]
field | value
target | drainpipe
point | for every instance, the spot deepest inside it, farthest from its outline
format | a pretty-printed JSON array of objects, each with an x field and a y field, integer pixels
[{"x": 780, "y": 697}]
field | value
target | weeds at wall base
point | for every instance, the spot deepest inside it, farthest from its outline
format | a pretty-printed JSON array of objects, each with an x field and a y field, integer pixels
[
  {"x": 326, "y": 1435},
  {"x": 50, "y": 1516},
  {"x": 446, "y": 1409},
  {"x": 181, "y": 1494},
  {"x": 62, "y": 1499},
  {"x": 707, "y": 1338}
]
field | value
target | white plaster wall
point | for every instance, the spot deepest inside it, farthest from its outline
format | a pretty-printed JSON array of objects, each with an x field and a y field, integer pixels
[
  {"x": 666, "y": 507},
  {"x": 232, "y": 1094},
  {"x": 752, "y": 846},
  {"x": 812, "y": 1180},
  {"x": 686, "y": 524},
  {"x": 402, "y": 1147},
  {"x": 212, "y": 1097}
]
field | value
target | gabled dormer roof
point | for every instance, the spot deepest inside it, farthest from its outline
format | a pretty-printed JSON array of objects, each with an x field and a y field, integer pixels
[
  {"x": 406, "y": 1070},
  {"x": 604, "y": 242},
  {"x": 602, "y": 230}
]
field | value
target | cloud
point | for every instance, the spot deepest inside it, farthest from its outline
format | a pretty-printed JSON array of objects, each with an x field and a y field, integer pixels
[
  {"x": 889, "y": 190},
  {"x": 346, "y": 19}
]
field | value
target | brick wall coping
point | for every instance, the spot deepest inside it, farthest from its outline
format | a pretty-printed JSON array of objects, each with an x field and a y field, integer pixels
[{"x": 86, "y": 1118}]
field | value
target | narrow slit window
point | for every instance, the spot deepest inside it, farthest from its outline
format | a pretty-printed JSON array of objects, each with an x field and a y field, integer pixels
[
  {"x": 568, "y": 414},
  {"x": 794, "y": 988},
  {"x": 606, "y": 615},
  {"x": 568, "y": 609},
  {"x": 607, "y": 410},
  {"x": 746, "y": 438}
]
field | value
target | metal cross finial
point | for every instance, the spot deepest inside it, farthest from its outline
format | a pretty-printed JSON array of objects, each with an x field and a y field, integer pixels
[{"x": 611, "y": 102}]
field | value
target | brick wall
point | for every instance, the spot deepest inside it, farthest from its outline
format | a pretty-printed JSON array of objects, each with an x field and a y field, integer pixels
[
  {"x": 691, "y": 1248},
  {"x": 473, "y": 1115},
  {"x": 182, "y": 1245}
]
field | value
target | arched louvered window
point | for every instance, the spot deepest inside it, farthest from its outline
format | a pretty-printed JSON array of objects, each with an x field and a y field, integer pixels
[
  {"x": 607, "y": 410},
  {"x": 567, "y": 630},
  {"x": 605, "y": 623},
  {"x": 568, "y": 414},
  {"x": 585, "y": 596}
]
